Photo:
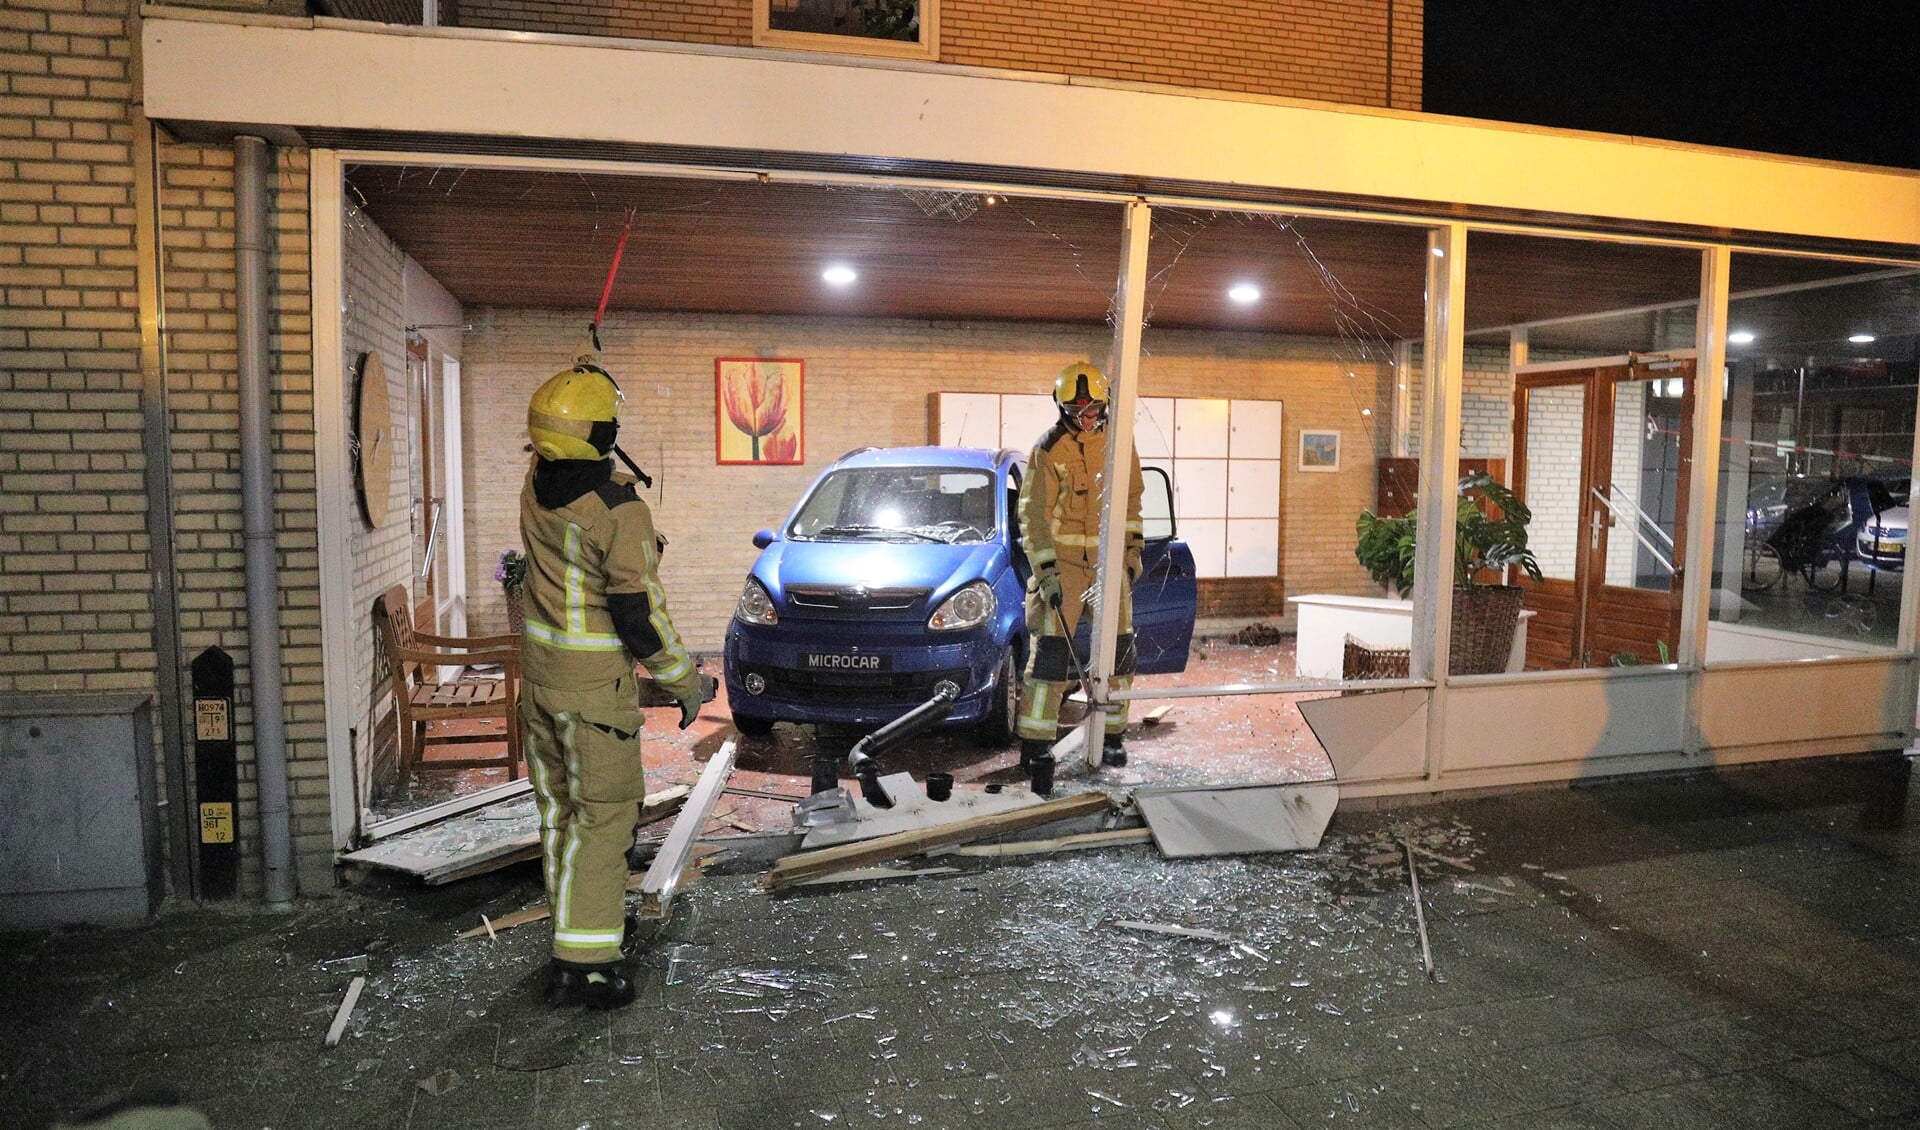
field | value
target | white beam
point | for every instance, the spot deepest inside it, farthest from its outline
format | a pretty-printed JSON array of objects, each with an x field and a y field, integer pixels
[{"x": 229, "y": 70}]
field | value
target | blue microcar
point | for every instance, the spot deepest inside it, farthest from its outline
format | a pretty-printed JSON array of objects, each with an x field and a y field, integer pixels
[{"x": 901, "y": 568}]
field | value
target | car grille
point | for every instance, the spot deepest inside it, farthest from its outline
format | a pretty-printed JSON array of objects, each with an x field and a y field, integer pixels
[
  {"x": 854, "y": 686},
  {"x": 855, "y": 598}
]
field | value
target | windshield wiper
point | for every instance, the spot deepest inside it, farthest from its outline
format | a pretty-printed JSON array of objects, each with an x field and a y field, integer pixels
[{"x": 872, "y": 531}]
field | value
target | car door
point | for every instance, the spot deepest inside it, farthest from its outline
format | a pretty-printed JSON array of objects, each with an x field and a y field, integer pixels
[{"x": 1166, "y": 593}]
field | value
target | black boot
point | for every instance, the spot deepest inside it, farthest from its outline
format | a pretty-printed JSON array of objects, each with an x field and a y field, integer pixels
[
  {"x": 1032, "y": 750},
  {"x": 1042, "y": 770},
  {"x": 1113, "y": 751},
  {"x": 595, "y": 986}
]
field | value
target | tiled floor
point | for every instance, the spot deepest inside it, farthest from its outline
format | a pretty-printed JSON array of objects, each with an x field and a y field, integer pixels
[{"x": 1738, "y": 949}]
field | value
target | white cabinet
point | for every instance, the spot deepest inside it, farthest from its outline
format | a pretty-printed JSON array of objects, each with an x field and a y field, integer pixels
[
  {"x": 1253, "y": 547},
  {"x": 970, "y": 419},
  {"x": 1200, "y": 428},
  {"x": 1224, "y": 457},
  {"x": 1200, "y": 488},
  {"x": 1255, "y": 430},
  {"x": 1024, "y": 419}
]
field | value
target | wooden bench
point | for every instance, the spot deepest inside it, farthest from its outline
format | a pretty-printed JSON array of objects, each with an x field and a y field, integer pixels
[{"x": 414, "y": 661}]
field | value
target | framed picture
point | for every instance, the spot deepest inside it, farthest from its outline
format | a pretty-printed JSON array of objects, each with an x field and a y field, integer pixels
[
  {"x": 1319, "y": 451},
  {"x": 758, "y": 410}
]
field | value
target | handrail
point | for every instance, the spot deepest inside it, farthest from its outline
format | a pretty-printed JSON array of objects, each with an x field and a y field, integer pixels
[
  {"x": 433, "y": 538},
  {"x": 1635, "y": 519}
]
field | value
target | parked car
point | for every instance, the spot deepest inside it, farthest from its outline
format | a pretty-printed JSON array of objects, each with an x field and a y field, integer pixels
[
  {"x": 1878, "y": 518},
  {"x": 901, "y": 568}
]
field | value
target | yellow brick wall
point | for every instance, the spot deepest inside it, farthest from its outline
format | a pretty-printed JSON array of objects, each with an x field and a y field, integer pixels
[
  {"x": 867, "y": 382},
  {"x": 76, "y": 611}
]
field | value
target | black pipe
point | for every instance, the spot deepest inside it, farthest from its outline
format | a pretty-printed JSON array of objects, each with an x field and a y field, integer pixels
[{"x": 911, "y": 724}]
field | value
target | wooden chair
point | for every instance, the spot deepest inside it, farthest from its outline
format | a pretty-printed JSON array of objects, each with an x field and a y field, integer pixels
[{"x": 414, "y": 660}]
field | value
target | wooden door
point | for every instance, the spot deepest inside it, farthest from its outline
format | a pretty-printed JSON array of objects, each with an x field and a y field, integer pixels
[{"x": 1602, "y": 457}]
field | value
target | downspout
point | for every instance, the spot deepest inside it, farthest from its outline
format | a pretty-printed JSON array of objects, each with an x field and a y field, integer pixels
[{"x": 252, "y": 165}]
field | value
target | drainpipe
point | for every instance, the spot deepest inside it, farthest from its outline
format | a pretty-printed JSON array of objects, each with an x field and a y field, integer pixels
[{"x": 252, "y": 165}]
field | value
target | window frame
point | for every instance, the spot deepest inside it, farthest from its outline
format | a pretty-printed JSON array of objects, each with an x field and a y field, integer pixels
[{"x": 927, "y": 48}]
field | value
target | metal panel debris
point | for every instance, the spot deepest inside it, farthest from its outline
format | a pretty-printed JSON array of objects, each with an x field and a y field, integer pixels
[{"x": 1237, "y": 821}]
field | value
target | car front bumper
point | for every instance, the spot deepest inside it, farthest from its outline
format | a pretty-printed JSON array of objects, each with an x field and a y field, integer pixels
[{"x": 797, "y": 689}]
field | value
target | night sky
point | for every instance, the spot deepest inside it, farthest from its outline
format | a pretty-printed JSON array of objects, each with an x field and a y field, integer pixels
[{"x": 1815, "y": 79}]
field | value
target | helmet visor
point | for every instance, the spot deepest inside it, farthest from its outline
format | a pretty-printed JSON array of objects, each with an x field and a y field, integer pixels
[{"x": 1085, "y": 413}]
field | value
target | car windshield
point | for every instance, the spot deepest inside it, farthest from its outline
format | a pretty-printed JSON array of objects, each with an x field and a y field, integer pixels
[{"x": 928, "y": 504}]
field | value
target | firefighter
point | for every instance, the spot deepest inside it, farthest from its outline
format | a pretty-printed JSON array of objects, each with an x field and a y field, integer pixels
[
  {"x": 594, "y": 607},
  {"x": 1060, "y": 528}
]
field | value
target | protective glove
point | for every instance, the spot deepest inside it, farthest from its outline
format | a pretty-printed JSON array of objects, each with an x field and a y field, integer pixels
[
  {"x": 689, "y": 701},
  {"x": 1047, "y": 583}
]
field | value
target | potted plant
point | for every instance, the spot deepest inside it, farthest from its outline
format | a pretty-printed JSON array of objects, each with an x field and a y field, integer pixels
[
  {"x": 511, "y": 572},
  {"x": 1490, "y": 534}
]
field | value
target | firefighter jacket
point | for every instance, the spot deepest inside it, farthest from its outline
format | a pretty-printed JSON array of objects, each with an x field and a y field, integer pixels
[
  {"x": 593, "y": 598},
  {"x": 1060, "y": 502}
]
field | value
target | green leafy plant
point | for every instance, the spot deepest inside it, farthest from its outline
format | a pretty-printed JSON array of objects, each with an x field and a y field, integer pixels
[
  {"x": 1483, "y": 542},
  {"x": 1385, "y": 550},
  {"x": 1386, "y": 545},
  {"x": 511, "y": 572}
]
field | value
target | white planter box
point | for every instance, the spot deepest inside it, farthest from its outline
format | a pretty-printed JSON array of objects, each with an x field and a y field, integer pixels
[{"x": 1324, "y": 621}]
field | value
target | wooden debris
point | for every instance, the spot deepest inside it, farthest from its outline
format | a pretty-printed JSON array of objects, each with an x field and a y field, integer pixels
[
  {"x": 346, "y": 1010},
  {"x": 539, "y": 912},
  {"x": 763, "y": 794},
  {"x": 1419, "y": 912},
  {"x": 808, "y": 865},
  {"x": 863, "y": 874},
  {"x": 1176, "y": 931},
  {"x": 1082, "y": 842},
  {"x": 656, "y": 806},
  {"x": 1155, "y": 716}
]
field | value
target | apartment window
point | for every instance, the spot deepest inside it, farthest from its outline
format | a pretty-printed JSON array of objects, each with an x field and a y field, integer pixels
[{"x": 900, "y": 29}]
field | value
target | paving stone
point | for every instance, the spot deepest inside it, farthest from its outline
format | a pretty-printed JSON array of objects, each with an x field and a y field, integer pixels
[
  {"x": 1738, "y": 1041},
  {"x": 1749, "y": 1100},
  {"x": 1846, "y": 1080},
  {"x": 486, "y": 1097}
]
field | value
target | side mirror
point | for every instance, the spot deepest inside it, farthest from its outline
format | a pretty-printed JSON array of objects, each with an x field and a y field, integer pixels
[{"x": 762, "y": 539}]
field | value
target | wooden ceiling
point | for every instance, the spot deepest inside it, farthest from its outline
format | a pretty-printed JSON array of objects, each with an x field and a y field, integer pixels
[{"x": 505, "y": 238}]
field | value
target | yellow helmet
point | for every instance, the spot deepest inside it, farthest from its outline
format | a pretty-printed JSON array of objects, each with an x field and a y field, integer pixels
[
  {"x": 575, "y": 415},
  {"x": 1079, "y": 388}
]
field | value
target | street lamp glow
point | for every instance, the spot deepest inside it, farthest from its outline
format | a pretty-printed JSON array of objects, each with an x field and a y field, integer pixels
[
  {"x": 839, "y": 275},
  {"x": 1244, "y": 293},
  {"x": 1740, "y": 337},
  {"x": 1862, "y": 339}
]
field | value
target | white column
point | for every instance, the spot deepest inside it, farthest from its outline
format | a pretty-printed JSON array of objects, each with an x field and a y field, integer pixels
[
  {"x": 1439, "y": 475},
  {"x": 1123, "y": 374}
]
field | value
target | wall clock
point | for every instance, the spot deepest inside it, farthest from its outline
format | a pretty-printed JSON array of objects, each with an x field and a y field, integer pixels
[{"x": 372, "y": 438}]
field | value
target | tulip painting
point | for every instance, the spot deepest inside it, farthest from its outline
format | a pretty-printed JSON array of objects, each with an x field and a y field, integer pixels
[{"x": 758, "y": 410}]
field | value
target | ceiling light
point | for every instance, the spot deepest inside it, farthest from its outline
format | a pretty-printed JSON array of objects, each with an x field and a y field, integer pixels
[
  {"x": 839, "y": 275},
  {"x": 1439, "y": 253},
  {"x": 1862, "y": 339},
  {"x": 1740, "y": 337},
  {"x": 1244, "y": 293}
]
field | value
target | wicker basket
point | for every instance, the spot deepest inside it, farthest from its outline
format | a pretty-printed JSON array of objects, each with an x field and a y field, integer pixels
[
  {"x": 1358, "y": 661},
  {"x": 516, "y": 610},
  {"x": 1484, "y": 618}
]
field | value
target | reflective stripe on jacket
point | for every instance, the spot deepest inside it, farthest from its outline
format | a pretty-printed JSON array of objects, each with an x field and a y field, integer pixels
[{"x": 599, "y": 544}]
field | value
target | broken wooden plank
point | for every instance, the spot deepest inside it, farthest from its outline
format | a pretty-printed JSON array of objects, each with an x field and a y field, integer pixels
[
  {"x": 538, "y": 912},
  {"x": 663, "y": 877},
  {"x": 346, "y": 1011},
  {"x": 1176, "y": 931},
  {"x": 764, "y": 794},
  {"x": 1157, "y": 714},
  {"x": 1419, "y": 913},
  {"x": 863, "y": 874},
  {"x": 1081, "y": 842},
  {"x": 795, "y": 868}
]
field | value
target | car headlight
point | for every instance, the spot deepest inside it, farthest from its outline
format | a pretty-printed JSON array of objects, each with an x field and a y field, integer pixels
[
  {"x": 968, "y": 608},
  {"x": 755, "y": 606}
]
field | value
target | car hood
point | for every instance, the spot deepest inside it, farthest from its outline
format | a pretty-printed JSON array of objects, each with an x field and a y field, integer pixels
[
  {"x": 877, "y": 565},
  {"x": 1894, "y": 519}
]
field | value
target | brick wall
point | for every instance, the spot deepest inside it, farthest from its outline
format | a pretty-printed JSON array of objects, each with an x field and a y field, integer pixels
[
  {"x": 75, "y": 592},
  {"x": 197, "y": 223},
  {"x": 1332, "y": 50},
  {"x": 373, "y": 320},
  {"x": 856, "y": 394}
]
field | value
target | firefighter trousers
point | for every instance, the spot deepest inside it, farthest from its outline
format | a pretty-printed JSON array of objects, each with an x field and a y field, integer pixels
[
  {"x": 583, "y": 757},
  {"x": 1051, "y": 657}
]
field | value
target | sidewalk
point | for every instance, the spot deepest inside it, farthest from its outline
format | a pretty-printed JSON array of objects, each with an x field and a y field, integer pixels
[{"x": 1739, "y": 949}]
